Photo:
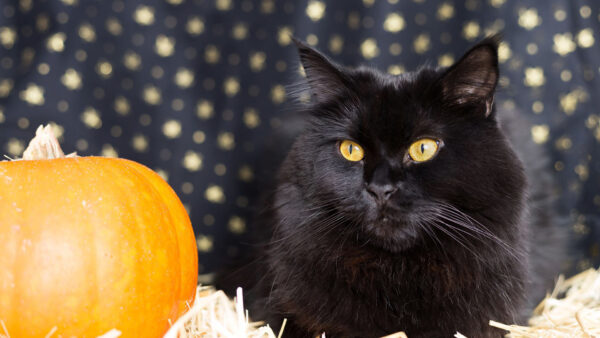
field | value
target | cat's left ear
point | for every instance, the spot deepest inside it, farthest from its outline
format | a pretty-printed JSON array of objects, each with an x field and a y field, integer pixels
[{"x": 472, "y": 79}]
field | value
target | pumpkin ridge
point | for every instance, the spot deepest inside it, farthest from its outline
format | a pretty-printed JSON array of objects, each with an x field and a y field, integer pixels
[
  {"x": 185, "y": 236},
  {"x": 144, "y": 172},
  {"x": 172, "y": 234}
]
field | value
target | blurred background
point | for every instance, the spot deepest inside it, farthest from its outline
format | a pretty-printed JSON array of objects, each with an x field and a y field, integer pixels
[{"x": 193, "y": 88}]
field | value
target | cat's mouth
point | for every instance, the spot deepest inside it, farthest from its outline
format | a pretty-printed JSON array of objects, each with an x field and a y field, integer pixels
[{"x": 392, "y": 232}]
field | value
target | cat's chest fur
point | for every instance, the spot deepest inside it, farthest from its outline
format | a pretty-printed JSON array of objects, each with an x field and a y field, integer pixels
[{"x": 348, "y": 289}]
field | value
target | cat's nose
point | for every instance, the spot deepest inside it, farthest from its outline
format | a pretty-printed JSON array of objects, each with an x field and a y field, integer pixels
[{"x": 381, "y": 192}]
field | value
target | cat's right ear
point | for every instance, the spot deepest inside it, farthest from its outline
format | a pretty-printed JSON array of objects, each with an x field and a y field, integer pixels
[{"x": 325, "y": 79}]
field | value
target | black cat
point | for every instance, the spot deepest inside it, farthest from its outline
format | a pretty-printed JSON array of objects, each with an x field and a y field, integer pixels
[{"x": 403, "y": 206}]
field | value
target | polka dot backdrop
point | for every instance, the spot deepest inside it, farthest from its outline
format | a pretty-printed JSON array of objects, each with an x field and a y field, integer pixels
[{"x": 191, "y": 88}]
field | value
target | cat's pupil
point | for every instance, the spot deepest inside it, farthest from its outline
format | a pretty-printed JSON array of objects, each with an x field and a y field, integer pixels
[
  {"x": 350, "y": 149},
  {"x": 422, "y": 147}
]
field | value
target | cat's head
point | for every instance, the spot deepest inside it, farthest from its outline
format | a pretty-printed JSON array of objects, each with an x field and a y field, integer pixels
[{"x": 409, "y": 158}]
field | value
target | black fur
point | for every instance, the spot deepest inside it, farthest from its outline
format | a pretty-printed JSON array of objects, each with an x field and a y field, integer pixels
[{"x": 447, "y": 252}]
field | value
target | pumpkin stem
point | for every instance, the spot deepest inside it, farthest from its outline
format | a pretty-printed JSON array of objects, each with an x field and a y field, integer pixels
[{"x": 44, "y": 146}]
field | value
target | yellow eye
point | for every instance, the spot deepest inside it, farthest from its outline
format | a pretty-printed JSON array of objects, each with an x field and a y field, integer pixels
[
  {"x": 423, "y": 150},
  {"x": 351, "y": 151}
]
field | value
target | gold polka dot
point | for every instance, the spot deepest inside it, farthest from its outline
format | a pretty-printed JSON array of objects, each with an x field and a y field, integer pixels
[
  {"x": 2, "y": 117},
  {"x": 422, "y": 43},
  {"x": 56, "y": 42},
  {"x": 560, "y": 15},
  {"x": 315, "y": 10},
  {"x": 396, "y": 69},
  {"x": 192, "y": 160},
  {"x": 585, "y": 11},
  {"x": 184, "y": 78},
  {"x": 132, "y": 60},
  {"x": 220, "y": 169},
  {"x": 585, "y": 38},
  {"x": 223, "y": 5},
  {"x": 108, "y": 151},
  {"x": 62, "y": 106},
  {"x": 566, "y": 75},
  {"x": 157, "y": 72},
  {"x": 187, "y": 188},
  {"x": 277, "y": 94},
  {"x": 8, "y": 37},
  {"x": 245, "y": 173},
  {"x": 284, "y": 35},
  {"x": 91, "y": 118},
  {"x": 172, "y": 129},
  {"x": 394, "y": 23},
  {"x": 563, "y": 143},
  {"x": 336, "y": 44},
  {"x": 446, "y": 60},
  {"x": 569, "y": 101},
  {"x": 164, "y": 46},
  {"x": 144, "y": 15},
  {"x": 104, "y": 69},
  {"x": 236, "y": 225},
  {"x": 6, "y": 86},
  {"x": 140, "y": 143},
  {"x": 540, "y": 133},
  {"x": 43, "y": 68},
  {"x": 121, "y": 105},
  {"x": 71, "y": 79},
  {"x": 211, "y": 54},
  {"x": 152, "y": 95},
  {"x": 537, "y": 107},
  {"x": 33, "y": 95},
  {"x": 80, "y": 55},
  {"x": 42, "y": 22},
  {"x": 504, "y": 52},
  {"x": 582, "y": 171},
  {"x": 369, "y": 48},
  {"x": 563, "y": 43},
  {"x": 471, "y": 30},
  {"x": 208, "y": 219},
  {"x": 205, "y": 243},
  {"x": 116, "y": 131},
  {"x": 23, "y": 123},
  {"x": 251, "y": 118},
  {"x": 81, "y": 145},
  {"x": 204, "y": 109},
  {"x": 395, "y": 49},
  {"x": 162, "y": 173},
  {"x": 87, "y": 32},
  {"x": 15, "y": 147},
  {"x": 312, "y": 39},
  {"x": 113, "y": 26},
  {"x": 226, "y": 141},
  {"x": 445, "y": 11},
  {"x": 231, "y": 86},
  {"x": 214, "y": 194},
  {"x": 531, "y": 48},
  {"x": 534, "y": 76},
  {"x": 280, "y": 66},
  {"x": 257, "y": 61},
  {"x": 194, "y": 26},
  {"x": 529, "y": 18},
  {"x": 199, "y": 137},
  {"x": 239, "y": 31}
]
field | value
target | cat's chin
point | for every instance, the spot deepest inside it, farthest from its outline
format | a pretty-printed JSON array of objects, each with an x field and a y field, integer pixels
[{"x": 392, "y": 236}]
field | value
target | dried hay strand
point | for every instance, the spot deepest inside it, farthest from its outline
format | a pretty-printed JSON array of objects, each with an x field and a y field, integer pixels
[
  {"x": 571, "y": 310},
  {"x": 215, "y": 315}
]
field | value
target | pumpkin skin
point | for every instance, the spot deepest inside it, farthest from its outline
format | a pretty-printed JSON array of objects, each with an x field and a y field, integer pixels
[{"x": 89, "y": 244}]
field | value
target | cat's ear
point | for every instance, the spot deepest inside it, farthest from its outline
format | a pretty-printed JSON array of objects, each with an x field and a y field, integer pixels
[
  {"x": 325, "y": 79},
  {"x": 472, "y": 79}
]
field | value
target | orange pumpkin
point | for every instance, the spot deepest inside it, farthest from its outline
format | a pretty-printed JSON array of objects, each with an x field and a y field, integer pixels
[{"x": 91, "y": 244}]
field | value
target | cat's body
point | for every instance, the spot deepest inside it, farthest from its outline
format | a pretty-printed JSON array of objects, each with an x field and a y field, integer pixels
[{"x": 388, "y": 243}]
